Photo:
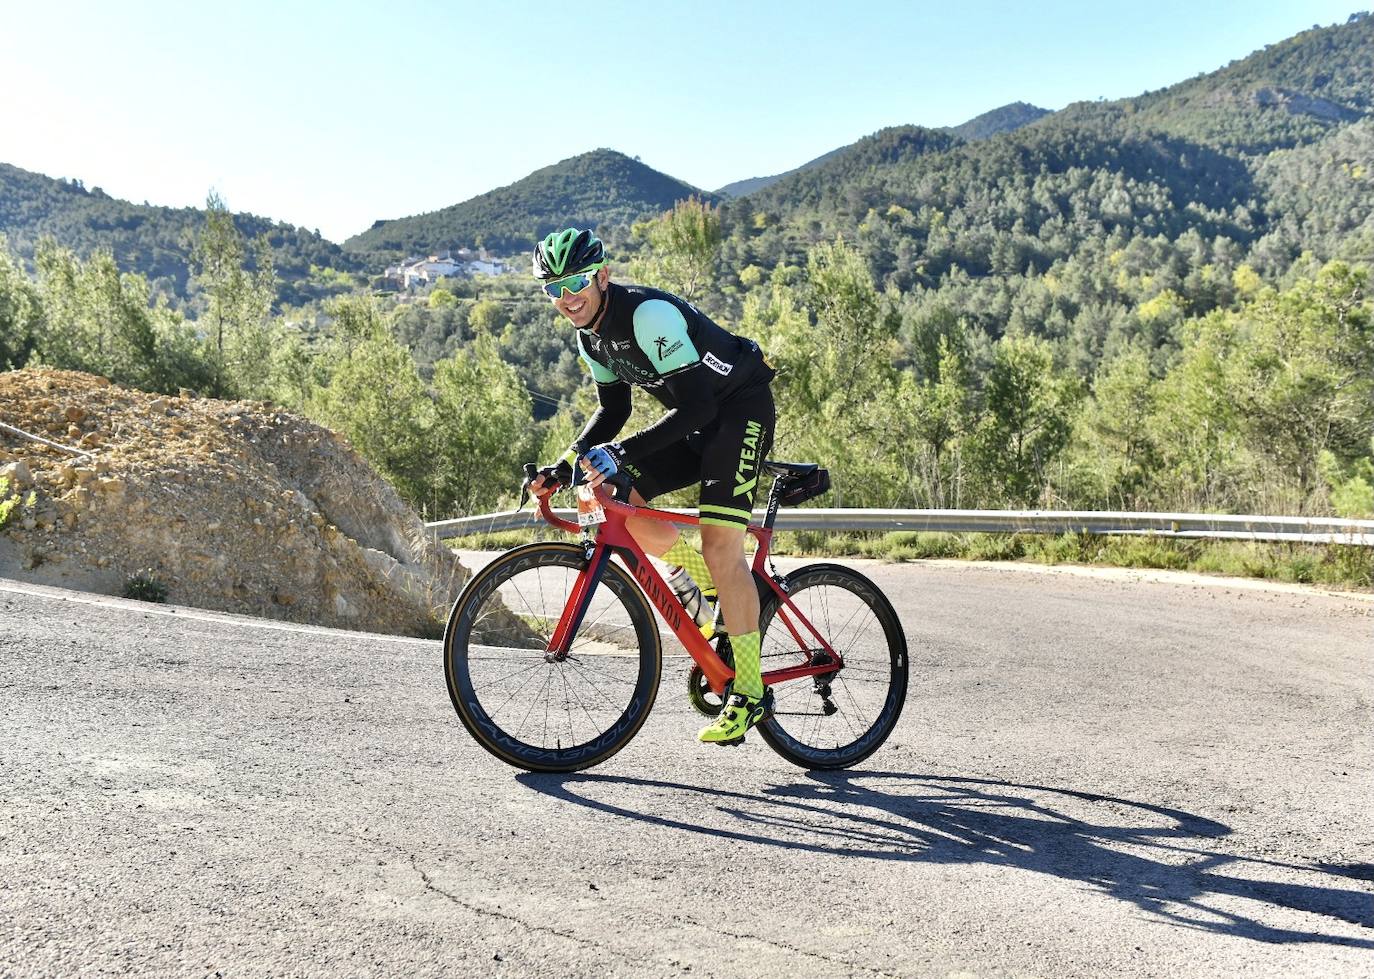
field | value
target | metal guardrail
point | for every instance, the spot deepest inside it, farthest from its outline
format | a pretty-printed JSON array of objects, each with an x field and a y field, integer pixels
[{"x": 1306, "y": 530}]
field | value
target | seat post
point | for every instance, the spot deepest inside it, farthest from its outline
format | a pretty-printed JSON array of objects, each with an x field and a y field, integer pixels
[
  {"x": 774, "y": 501},
  {"x": 781, "y": 473}
]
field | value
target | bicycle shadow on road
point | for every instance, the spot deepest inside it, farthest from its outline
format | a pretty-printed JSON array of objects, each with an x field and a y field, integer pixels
[{"x": 1153, "y": 857}]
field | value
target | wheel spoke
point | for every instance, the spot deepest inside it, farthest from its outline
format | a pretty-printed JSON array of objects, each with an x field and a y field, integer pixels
[
  {"x": 517, "y": 690},
  {"x": 533, "y": 703}
]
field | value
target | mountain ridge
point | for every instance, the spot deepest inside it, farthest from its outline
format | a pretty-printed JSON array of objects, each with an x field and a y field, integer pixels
[
  {"x": 1002, "y": 119},
  {"x": 742, "y": 188},
  {"x": 595, "y": 189},
  {"x": 1290, "y": 92},
  {"x": 150, "y": 239},
  {"x": 1198, "y": 156}
]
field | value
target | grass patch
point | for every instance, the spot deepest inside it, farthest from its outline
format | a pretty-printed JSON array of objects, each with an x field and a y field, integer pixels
[
  {"x": 503, "y": 540},
  {"x": 145, "y": 586}
]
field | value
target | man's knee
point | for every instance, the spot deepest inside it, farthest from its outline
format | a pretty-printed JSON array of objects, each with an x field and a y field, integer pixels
[{"x": 721, "y": 546}]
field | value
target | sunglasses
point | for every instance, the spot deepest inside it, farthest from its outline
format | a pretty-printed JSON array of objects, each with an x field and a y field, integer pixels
[{"x": 569, "y": 283}]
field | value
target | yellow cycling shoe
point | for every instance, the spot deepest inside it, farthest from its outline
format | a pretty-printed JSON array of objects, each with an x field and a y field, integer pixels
[{"x": 738, "y": 716}]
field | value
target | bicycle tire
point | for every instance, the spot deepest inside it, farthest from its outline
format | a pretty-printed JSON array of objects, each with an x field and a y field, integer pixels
[
  {"x": 605, "y": 687},
  {"x": 860, "y": 624}
]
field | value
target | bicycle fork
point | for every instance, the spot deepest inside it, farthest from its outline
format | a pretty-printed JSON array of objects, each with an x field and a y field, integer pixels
[{"x": 578, "y": 603}]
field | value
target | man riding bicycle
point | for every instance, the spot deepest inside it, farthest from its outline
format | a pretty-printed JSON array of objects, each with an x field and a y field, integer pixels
[{"x": 717, "y": 428}]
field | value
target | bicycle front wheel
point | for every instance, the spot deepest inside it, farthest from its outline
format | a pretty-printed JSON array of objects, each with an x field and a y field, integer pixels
[
  {"x": 837, "y": 719},
  {"x": 534, "y": 711}
]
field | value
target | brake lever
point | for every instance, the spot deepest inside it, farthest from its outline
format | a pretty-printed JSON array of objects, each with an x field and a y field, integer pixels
[{"x": 531, "y": 472}]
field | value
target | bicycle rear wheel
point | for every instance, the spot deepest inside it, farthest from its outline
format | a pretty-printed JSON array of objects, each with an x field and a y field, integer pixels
[
  {"x": 541, "y": 715},
  {"x": 838, "y": 719}
]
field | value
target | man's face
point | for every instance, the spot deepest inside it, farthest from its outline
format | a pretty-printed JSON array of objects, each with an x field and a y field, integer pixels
[{"x": 581, "y": 307}]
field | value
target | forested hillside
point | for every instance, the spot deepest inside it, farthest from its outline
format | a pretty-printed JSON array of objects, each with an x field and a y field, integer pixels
[
  {"x": 1066, "y": 226},
  {"x": 999, "y": 120},
  {"x": 1154, "y": 303},
  {"x": 1294, "y": 91},
  {"x": 601, "y": 189},
  {"x": 154, "y": 241}
]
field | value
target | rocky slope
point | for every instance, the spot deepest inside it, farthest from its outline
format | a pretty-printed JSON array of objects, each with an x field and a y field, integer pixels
[{"x": 231, "y": 505}]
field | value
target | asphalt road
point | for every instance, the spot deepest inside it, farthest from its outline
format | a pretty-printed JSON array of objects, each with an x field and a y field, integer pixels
[{"x": 1094, "y": 775}]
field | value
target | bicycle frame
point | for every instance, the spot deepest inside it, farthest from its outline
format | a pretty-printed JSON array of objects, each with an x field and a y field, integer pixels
[{"x": 612, "y": 537}]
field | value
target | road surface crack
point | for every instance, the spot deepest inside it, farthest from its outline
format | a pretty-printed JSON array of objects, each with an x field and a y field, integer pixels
[
  {"x": 434, "y": 888},
  {"x": 783, "y": 946}
]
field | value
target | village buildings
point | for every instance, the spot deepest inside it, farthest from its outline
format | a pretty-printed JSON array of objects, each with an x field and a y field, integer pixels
[{"x": 418, "y": 271}]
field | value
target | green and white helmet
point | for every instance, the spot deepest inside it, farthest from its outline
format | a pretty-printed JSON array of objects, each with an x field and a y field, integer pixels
[{"x": 568, "y": 251}]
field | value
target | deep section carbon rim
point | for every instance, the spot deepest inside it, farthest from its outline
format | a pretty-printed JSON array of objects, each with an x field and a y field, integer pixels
[
  {"x": 837, "y": 720},
  {"x": 550, "y": 716}
]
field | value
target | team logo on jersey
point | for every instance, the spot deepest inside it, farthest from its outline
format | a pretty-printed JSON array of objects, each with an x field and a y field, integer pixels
[
  {"x": 632, "y": 372},
  {"x": 662, "y": 342},
  {"x": 717, "y": 365}
]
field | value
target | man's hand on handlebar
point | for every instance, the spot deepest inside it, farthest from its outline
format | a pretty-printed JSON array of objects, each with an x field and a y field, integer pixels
[
  {"x": 602, "y": 462},
  {"x": 551, "y": 478}
]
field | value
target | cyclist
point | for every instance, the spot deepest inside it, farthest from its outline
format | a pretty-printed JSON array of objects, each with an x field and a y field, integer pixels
[{"x": 717, "y": 428}]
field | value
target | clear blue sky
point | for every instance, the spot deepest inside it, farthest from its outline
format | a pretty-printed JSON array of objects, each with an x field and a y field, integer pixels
[{"x": 330, "y": 115}]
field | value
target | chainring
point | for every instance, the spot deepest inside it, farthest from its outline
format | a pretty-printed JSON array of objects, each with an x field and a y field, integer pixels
[
  {"x": 702, "y": 697},
  {"x": 699, "y": 692}
]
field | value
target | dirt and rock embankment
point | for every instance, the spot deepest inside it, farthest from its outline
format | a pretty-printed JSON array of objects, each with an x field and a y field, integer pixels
[{"x": 232, "y": 506}]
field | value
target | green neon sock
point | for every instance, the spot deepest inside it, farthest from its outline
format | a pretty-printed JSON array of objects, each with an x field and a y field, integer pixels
[
  {"x": 685, "y": 555},
  {"x": 748, "y": 680}
]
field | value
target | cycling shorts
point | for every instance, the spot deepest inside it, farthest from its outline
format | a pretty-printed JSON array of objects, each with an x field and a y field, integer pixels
[{"x": 723, "y": 457}]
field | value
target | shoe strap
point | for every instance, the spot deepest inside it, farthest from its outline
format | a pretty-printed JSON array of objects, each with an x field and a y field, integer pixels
[{"x": 744, "y": 700}]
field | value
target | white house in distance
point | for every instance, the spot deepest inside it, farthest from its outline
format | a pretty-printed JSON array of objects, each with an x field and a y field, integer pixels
[{"x": 417, "y": 271}]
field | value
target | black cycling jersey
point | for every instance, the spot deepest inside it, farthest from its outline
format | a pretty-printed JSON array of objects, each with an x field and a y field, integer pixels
[{"x": 655, "y": 340}]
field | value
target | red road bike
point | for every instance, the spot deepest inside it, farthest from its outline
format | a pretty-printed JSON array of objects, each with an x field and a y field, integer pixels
[{"x": 553, "y": 657}]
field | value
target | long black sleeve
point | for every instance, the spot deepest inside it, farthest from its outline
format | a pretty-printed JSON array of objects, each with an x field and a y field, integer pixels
[
  {"x": 612, "y": 412},
  {"x": 697, "y": 405}
]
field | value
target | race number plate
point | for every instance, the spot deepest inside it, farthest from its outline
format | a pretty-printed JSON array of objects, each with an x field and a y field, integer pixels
[{"x": 589, "y": 510}]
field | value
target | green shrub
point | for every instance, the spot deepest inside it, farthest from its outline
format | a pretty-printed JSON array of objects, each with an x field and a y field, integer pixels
[
  {"x": 8, "y": 504},
  {"x": 995, "y": 547},
  {"x": 1145, "y": 552},
  {"x": 916, "y": 544},
  {"x": 145, "y": 587},
  {"x": 1302, "y": 569}
]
